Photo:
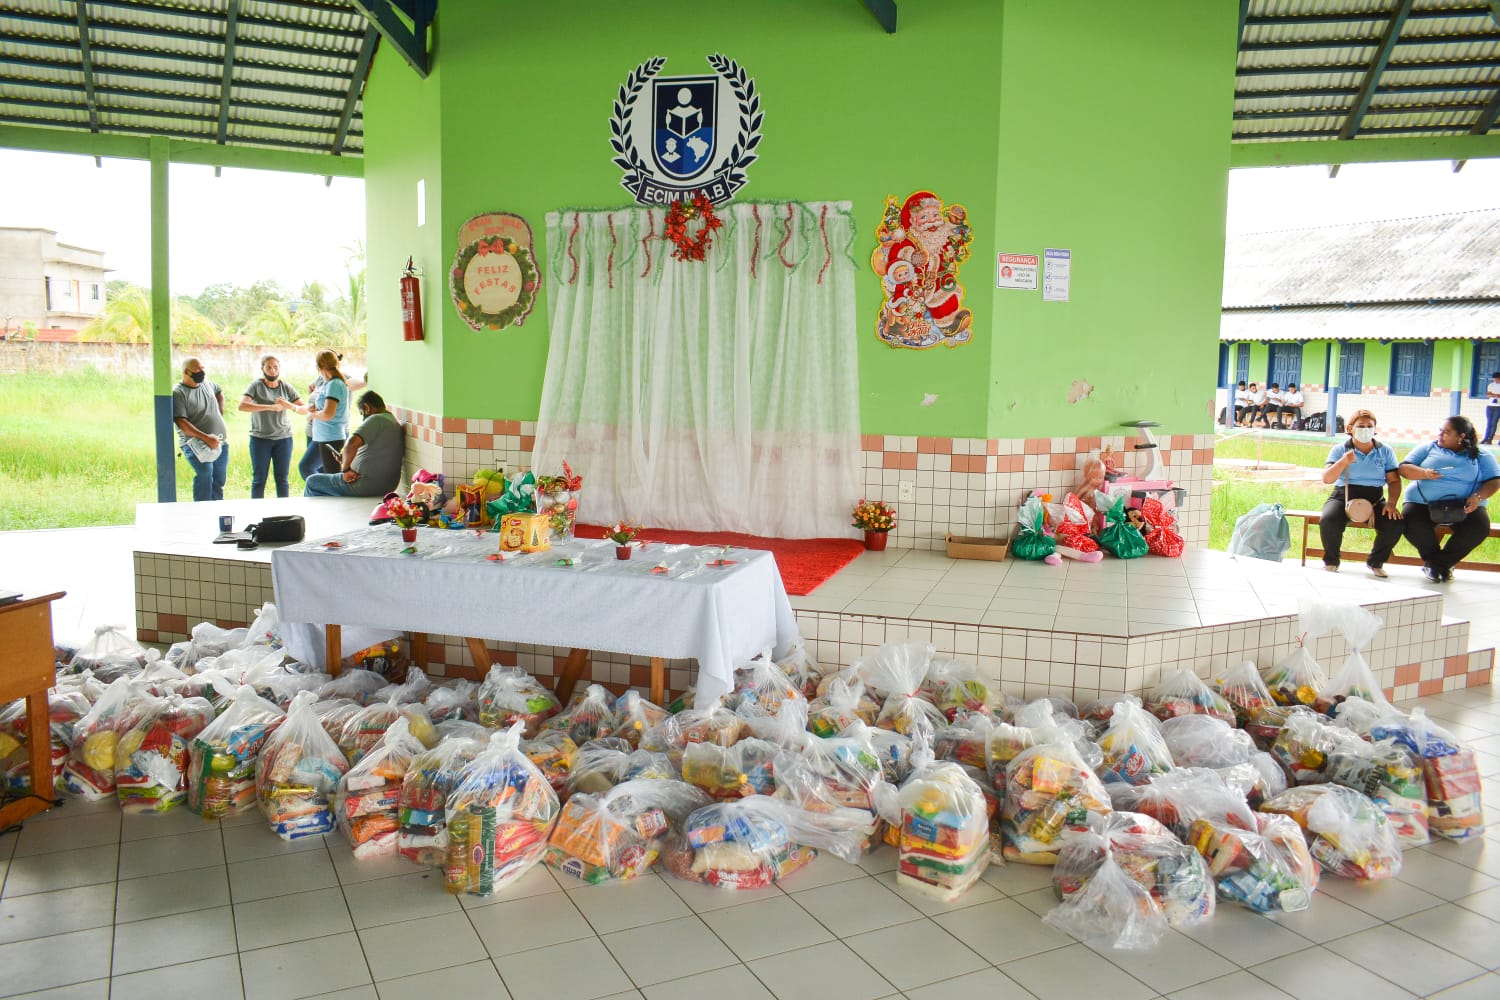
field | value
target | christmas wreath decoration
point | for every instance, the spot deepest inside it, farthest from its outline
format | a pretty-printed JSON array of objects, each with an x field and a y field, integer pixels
[
  {"x": 694, "y": 247},
  {"x": 514, "y": 314}
]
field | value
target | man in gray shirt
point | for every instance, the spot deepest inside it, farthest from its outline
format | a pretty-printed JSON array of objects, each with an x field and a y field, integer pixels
[
  {"x": 372, "y": 456},
  {"x": 198, "y": 412}
]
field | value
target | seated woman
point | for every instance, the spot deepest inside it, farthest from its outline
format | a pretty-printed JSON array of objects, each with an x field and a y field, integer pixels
[
  {"x": 1361, "y": 468},
  {"x": 1449, "y": 471}
]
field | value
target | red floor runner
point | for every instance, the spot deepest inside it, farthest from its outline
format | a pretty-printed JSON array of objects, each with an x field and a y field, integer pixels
[{"x": 804, "y": 562}]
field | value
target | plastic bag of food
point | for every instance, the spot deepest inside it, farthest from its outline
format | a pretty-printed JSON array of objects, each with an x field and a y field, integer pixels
[
  {"x": 1296, "y": 678},
  {"x": 1118, "y": 536},
  {"x": 1265, "y": 867},
  {"x": 1389, "y": 774},
  {"x": 1242, "y": 686},
  {"x": 618, "y": 834},
  {"x": 499, "y": 816},
  {"x": 159, "y": 679},
  {"x": 221, "y": 761},
  {"x": 281, "y": 684},
  {"x": 760, "y": 688},
  {"x": 111, "y": 653},
  {"x": 367, "y": 805},
  {"x": 1206, "y": 741},
  {"x": 510, "y": 694},
  {"x": 636, "y": 715},
  {"x": 843, "y": 703},
  {"x": 1032, "y": 542},
  {"x": 430, "y": 777},
  {"x": 694, "y": 725},
  {"x": 1305, "y": 741},
  {"x": 1111, "y": 910},
  {"x": 599, "y": 765},
  {"x": 207, "y": 639},
  {"x": 65, "y": 707},
  {"x": 1172, "y": 873},
  {"x": 335, "y": 713},
  {"x": 298, "y": 772},
  {"x": 552, "y": 753},
  {"x": 1133, "y": 747},
  {"x": 1347, "y": 833},
  {"x": 1049, "y": 793},
  {"x": 753, "y": 842},
  {"x": 944, "y": 840},
  {"x": 1183, "y": 796},
  {"x": 1455, "y": 809},
  {"x": 452, "y": 700},
  {"x": 151, "y": 758},
  {"x": 265, "y": 630},
  {"x": 897, "y": 668},
  {"x": 357, "y": 685},
  {"x": 834, "y": 772},
  {"x": 412, "y": 691},
  {"x": 90, "y": 769},
  {"x": 747, "y": 768},
  {"x": 802, "y": 669},
  {"x": 1181, "y": 692},
  {"x": 365, "y": 728},
  {"x": 590, "y": 715}
]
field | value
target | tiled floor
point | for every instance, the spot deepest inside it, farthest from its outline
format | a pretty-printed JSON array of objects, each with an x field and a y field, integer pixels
[{"x": 94, "y": 904}]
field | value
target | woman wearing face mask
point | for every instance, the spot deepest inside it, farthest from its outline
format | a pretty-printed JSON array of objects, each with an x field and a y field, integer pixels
[
  {"x": 330, "y": 414},
  {"x": 1361, "y": 468},
  {"x": 1452, "y": 468},
  {"x": 268, "y": 400}
]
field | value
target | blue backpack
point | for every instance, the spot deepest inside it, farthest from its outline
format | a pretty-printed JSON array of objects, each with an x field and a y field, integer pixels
[{"x": 1262, "y": 533}]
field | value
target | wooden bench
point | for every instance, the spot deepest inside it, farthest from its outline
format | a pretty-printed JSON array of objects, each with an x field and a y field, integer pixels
[{"x": 1314, "y": 517}]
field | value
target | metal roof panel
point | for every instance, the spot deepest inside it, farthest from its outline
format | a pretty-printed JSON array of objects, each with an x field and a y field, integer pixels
[{"x": 1442, "y": 321}]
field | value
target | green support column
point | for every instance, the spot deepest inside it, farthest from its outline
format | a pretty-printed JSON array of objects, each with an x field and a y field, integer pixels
[{"x": 161, "y": 326}]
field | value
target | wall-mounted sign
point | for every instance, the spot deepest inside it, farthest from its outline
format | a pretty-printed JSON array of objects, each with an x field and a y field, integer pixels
[
  {"x": 922, "y": 246},
  {"x": 678, "y": 136},
  {"x": 494, "y": 279},
  {"x": 1015, "y": 270},
  {"x": 1057, "y": 275}
]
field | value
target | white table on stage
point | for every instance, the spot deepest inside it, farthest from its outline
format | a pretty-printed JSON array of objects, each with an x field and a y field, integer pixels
[{"x": 713, "y": 614}]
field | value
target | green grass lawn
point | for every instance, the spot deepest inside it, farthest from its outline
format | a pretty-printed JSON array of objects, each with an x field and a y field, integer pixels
[{"x": 80, "y": 450}]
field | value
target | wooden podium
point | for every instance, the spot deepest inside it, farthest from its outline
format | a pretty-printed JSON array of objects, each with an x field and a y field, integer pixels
[{"x": 27, "y": 670}]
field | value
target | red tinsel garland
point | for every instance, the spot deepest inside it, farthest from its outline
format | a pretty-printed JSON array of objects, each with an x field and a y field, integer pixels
[
  {"x": 755, "y": 250},
  {"x": 687, "y": 247},
  {"x": 609, "y": 265},
  {"x": 827, "y": 250},
  {"x": 646, "y": 241},
  {"x": 571, "y": 257}
]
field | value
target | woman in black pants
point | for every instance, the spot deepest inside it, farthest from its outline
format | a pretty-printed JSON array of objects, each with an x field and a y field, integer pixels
[
  {"x": 1454, "y": 470},
  {"x": 1363, "y": 469}
]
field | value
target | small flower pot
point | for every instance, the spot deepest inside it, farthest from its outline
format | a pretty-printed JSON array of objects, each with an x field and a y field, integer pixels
[
  {"x": 875, "y": 540},
  {"x": 622, "y": 551},
  {"x": 409, "y": 536}
]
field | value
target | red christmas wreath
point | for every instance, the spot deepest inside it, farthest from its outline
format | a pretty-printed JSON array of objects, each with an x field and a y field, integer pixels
[{"x": 693, "y": 247}]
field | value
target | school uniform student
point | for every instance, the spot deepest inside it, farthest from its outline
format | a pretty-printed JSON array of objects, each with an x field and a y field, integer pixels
[
  {"x": 1272, "y": 403},
  {"x": 1241, "y": 402},
  {"x": 1450, "y": 468},
  {"x": 1361, "y": 468},
  {"x": 1257, "y": 403},
  {"x": 1291, "y": 405}
]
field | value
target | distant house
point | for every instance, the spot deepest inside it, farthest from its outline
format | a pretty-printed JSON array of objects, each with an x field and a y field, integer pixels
[
  {"x": 52, "y": 285},
  {"x": 1401, "y": 316}
]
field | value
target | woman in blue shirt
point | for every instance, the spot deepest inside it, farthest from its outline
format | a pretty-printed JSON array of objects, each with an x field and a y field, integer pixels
[
  {"x": 1450, "y": 468},
  {"x": 1367, "y": 470},
  {"x": 329, "y": 410}
]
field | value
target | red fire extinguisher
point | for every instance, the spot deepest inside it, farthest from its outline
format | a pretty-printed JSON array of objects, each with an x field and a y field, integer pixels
[{"x": 411, "y": 303}]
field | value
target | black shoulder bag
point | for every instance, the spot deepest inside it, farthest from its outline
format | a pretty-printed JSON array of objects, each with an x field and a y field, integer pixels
[
  {"x": 280, "y": 528},
  {"x": 1449, "y": 511}
]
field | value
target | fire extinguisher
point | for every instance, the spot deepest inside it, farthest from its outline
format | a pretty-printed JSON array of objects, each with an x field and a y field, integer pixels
[{"x": 411, "y": 303}]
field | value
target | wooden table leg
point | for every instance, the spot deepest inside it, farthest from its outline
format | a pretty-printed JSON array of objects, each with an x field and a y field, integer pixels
[
  {"x": 333, "y": 649},
  {"x": 578, "y": 662},
  {"x": 658, "y": 680},
  {"x": 419, "y": 649},
  {"x": 39, "y": 744},
  {"x": 480, "y": 654},
  {"x": 1304, "y": 541}
]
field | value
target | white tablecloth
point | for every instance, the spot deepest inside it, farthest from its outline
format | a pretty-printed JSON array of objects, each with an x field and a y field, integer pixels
[{"x": 715, "y": 615}]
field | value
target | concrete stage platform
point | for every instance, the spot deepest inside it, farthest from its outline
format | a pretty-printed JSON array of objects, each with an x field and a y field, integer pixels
[{"x": 1087, "y": 630}]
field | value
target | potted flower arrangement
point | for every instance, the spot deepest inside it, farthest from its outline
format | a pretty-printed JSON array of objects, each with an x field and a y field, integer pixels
[
  {"x": 875, "y": 519},
  {"x": 621, "y": 533},
  {"x": 406, "y": 515}
]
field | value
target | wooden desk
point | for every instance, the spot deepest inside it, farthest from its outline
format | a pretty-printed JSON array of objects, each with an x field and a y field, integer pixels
[{"x": 27, "y": 670}]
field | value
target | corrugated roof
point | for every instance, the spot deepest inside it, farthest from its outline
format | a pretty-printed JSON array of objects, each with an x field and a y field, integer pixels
[
  {"x": 1436, "y": 257},
  {"x": 1449, "y": 321},
  {"x": 158, "y": 67}
]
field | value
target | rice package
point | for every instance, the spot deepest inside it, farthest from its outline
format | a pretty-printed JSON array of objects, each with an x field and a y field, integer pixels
[
  {"x": 430, "y": 777},
  {"x": 1133, "y": 747},
  {"x": 221, "y": 761},
  {"x": 753, "y": 842},
  {"x": 509, "y": 695},
  {"x": 499, "y": 816},
  {"x": 1173, "y": 874},
  {"x": 1265, "y": 867},
  {"x": 89, "y": 771},
  {"x": 1049, "y": 793},
  {"x": 1455, "y": 809},
  {"x": 619, "y": 834},
  {"x": 151, "y": 758},
  {"x": 944, "y": 843},
  {"x": 589, "y": 715},
  {"x": 367, "y": 805},
  {"x": 1347, "y": 833},
  {"x": 1181, "y": 692},
  {"x": 1245, "y": 691},
  {"x": 298, "y": 773}
]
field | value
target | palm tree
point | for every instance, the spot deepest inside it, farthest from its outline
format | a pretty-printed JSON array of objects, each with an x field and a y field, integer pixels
[
  {"x": 347, "y": 317},
  {"x": 126, "y": 318},
  {"x": 279, "y": 326}
]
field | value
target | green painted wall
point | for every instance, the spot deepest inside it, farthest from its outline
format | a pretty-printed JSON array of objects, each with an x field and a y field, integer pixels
[
  {"x": 403, "y": 143},
  {"x": 1001, "y": 105},
  {"x": 1314, "y": 362},
  {"x": 1377, "y": 364}
]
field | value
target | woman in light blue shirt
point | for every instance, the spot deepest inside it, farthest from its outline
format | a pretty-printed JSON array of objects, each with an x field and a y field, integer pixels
[
  {"x": 1365, "y": 469},
  {"x": 329, "y": 412},
  {"x": 1452, "y": 468}
]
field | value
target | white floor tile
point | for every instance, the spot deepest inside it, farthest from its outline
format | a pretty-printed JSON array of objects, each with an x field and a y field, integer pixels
[
  {"x": 1486, "y": 903},
  {"x": 592, "y": 972},
  {"x": 1014, "y": 879},
  {"x": 62, "y": 870},
  {"x": 354, "y": 993},
  {"x": 1405, "y": 960},
  {"x": 322, "y": 965},
  {"x": 215, "y": 977},
  {"x": 351, "y": 870},
  {"x": 732, "y": 983},
  {"x": 1325, "y": 919},
  {"x": 404, "y": 897},
  {"x": 1235, "y": 986},
  {"x": 140, "y": 826},
  {"x": 1480, "y": 988},
  {"x": 255, "y": 840},
  {"x": 658, "y": 952},
  {"x": 1002, "y": 931},
  {"x": 1387, "y": 899},
  {"x": 182, "y": 937},
  {"x": 707, "y": 898},
  {"x": 175, "y": 853},
  {"x": 1246, "y": 938},
  {"x": 96, "y": 990},
  {"x": 537, "y": 881},
  {"x": 915, "y": 954},
  {"x": 60, "y": 960},
  {"x": 476, "y": 979},
  {"x": 766, "y": 927},
  {"x": 986, "y": 984},
  {"x": 1176, "y": 963},
  {"x": 423, "y": 945},
  {"x": 824, "y": 970},
  {"x": 80, "y": 831},
  {"x": 266, "y": 877},
  {"x": 856, "y": 906},
  {"x": 618, "y": 906},
  {"x": 297, "y": 917},
  {"x": 44, "y": 913},
  {"x": 825, "y": 870},
  {"x": 171, "y": 892},
  {"x": 980, "y": 892},
  {"x": 1443, "y": 878},
  {"x": 1463, "y": 932},
  {"x": 1318, "y": 973},
  {"x": 525, "y": 924},
  {"x": 1074, "y": 972},
  {"x": 1479, "y": 853}
]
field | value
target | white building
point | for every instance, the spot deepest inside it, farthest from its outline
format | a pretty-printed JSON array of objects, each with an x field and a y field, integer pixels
[{"x": 50, "y": 284}]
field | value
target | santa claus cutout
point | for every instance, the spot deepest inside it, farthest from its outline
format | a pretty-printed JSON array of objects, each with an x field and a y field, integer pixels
[{"x": 922, "y": 246}]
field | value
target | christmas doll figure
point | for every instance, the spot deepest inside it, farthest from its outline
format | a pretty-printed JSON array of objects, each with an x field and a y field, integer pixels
[{"x": 921, "y": 248}]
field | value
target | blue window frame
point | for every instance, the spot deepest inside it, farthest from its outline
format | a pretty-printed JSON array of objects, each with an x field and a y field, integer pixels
[
  {"x": 1242, "y": 363},
  {"x": 1486, "y": 363},
  {"x": 1352, "y": 368},
  {"x": 1223, "y": 365},
  {"x": 1411, "y": 369},
  {"x": 1285, "y": 366}
]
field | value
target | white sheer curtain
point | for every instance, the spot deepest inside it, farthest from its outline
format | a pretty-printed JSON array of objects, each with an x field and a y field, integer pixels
[{"x": 715, "y": 395}]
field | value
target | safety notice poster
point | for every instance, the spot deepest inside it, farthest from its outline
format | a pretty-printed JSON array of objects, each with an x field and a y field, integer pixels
[
  {"x": 1016, "y": 270},
  {"x": 1057, "y": 278}
]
